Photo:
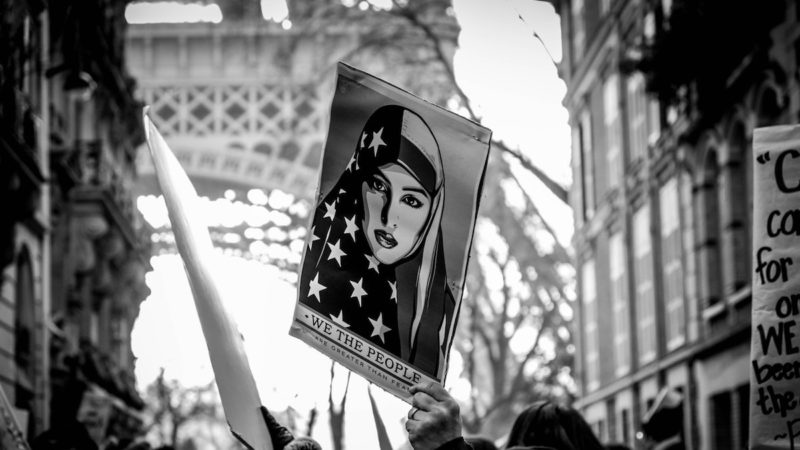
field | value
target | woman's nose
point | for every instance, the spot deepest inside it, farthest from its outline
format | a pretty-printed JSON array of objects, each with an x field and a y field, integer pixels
[
  {"x": 389, "y": 214},
  {"x": 387, "y": 203}
]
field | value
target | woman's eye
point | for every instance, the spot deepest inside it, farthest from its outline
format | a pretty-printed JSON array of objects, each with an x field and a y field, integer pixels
[
  {"x": 378, "y": 185},
  {"x": 411, "y": 201}
]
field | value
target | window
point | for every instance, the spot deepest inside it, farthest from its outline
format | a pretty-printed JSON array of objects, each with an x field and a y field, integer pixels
[
  {"x": 690, "y": 260},
  {"x": 671, "y": 257},
  {"x": 578, "y": 29},
  {"x": 577, "y": 193},
  {"x": 587, "y": 164},
  {"x": 709, "y": 226},
  {"x": 737, "y": 197},
  {"x": 653, "y": 121},
  {"x": 643, "y": 273},
  {"x": 742, "y": 419},
  {"x": 643, "y": 117},
  {"x": 591, "y": 339},
  {"x": 600, "y": 430},
  {"x": 611, "y": 425},
  {"x": 721, "y": 432},
  {"x": 619, "y": 303},
  {"x": 637, "y": 116},
  {"x": 25, "y": 338},
  {"x": 729, "y": 417},
  {"x": 612, "y": 123},
  {"x": 625, "y": 426}
]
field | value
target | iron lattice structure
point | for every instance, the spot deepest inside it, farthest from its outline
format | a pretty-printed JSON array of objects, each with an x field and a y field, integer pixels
[{"x": 247, "y": 134}]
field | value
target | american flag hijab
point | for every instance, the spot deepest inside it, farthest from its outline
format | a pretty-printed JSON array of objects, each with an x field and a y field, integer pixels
[{"x": 374, "y": 263}]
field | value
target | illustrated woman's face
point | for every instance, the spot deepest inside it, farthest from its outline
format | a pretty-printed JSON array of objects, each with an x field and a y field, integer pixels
[{"x": 396, "y": 208}]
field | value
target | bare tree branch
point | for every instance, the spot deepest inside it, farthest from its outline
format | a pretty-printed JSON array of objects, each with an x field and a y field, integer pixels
[
  {"x": 494, "y": 358},
  {"x": 559, "y": 191},
  {"x": 516, "y": 382},
  {"x": 436, "y": 43},
  {"x": 531, "y": 209},
  {"x": 336, "y": 412}
]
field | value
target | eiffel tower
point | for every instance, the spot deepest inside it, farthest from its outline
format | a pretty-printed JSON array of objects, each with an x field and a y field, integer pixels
[{"x": 244, "y": 103}]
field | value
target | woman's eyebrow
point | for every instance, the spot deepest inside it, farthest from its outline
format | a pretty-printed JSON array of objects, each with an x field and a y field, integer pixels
[
  {"x": 379, "y": 174},
  {"x": 415, "y": 189}
]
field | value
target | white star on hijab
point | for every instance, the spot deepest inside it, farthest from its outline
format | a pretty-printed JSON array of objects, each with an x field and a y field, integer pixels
[
  {"x": 330, "y": 210},
  {"x": 358, "y": 290},
  {"x": 373, "y": 263},
  {"x": 351, "y": 227},
  {"x": 377, "y": 141},
  {"x": 339, "y": 320},
  {"x": 336, "y": 252},
  {"x": 378, "y": 328},
  {"x": 313, "y": 238},
  {"x": 314, "y": 288}
]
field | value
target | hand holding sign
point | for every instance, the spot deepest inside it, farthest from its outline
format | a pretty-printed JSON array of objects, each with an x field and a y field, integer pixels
[{"x": 435, "y": 418}]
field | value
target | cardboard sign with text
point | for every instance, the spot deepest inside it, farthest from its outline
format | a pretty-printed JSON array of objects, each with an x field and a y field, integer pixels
[
  {"x": 775, "y": 342},
  {"x": 386, "y": 254}
]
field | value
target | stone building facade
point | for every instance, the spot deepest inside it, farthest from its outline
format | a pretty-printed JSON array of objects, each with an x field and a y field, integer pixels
[
  {"x": 74, "y": 249},
  {"x": 663, "y": 99},
  {"x": 23, "y": 359}
]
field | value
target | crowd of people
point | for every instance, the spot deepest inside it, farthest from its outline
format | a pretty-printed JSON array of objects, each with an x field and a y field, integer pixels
[{"x": 433, "y": 423}]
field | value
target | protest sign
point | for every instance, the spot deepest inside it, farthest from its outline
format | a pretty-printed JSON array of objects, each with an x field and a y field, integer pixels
[
  {"x": 237, "y": 388},
  {"x": 775, "y": 341},
  {"x": 382, "y": 275}
]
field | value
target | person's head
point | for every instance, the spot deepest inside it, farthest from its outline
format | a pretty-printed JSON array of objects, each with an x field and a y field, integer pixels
[
  {"x": 616, "y": 446},
  {"x": 551, "y": 425},
  {"x": 479, "y": 443},
  {"x": 303, "y": 443},
  {"x": 66, "y": 434},
  {"x": 400, "y": 171},
  {"x": 146, "y": 446}
]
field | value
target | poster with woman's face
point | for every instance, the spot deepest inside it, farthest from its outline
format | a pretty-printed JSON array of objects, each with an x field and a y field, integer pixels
[{"x": 386, "y": 253}]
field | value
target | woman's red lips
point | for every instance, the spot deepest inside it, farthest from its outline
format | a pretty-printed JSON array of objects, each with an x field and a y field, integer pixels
[{"x": 385, "y": 239}]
